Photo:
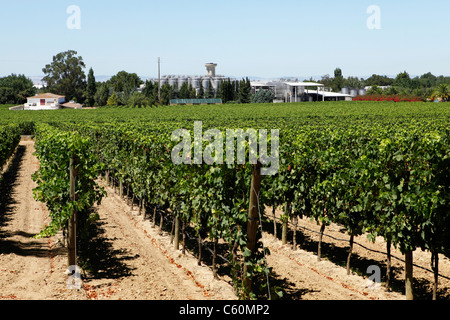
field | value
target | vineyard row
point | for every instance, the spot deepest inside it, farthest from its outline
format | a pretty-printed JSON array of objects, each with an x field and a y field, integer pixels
[{"x": 383, "y": 181}]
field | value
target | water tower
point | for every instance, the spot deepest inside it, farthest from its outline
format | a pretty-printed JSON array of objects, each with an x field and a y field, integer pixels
[{"x": 211, "y": 69}]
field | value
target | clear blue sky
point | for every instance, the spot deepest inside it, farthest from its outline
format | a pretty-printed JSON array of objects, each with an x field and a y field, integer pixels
[{"x": 261, "y": 38}]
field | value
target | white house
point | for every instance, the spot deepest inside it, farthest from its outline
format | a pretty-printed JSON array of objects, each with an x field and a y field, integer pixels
[{"x": 44, "y": 101}]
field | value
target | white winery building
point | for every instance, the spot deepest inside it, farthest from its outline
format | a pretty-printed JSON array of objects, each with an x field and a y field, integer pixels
[
  {"x": 44, "y": 101},
  {"x": 47, "y": 101}
]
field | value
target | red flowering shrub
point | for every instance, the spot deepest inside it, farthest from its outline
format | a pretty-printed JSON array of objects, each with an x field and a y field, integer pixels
[{"x": 392, "y": 98}]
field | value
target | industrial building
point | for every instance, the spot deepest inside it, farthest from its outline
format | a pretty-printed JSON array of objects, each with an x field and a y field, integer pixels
[
  {"x": 285, "y": 91},
  {"x": 298, "y": 91},
  {"x": 208, "y": 81}
]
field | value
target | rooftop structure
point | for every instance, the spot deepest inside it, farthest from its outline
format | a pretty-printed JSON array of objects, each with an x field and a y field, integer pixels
[
  {"x": 211, "y": 69},
  {"x": 46, "y": 96}
]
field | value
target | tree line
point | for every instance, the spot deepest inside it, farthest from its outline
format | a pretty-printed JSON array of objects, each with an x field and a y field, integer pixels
[
  {"x": 65, "y": 76},
  {"x": 426, "y": 86},
  {"x": 15, "y": 89}
]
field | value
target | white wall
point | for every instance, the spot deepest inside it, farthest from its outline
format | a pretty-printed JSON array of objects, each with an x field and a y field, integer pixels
[{"x": 47, "y": 101}]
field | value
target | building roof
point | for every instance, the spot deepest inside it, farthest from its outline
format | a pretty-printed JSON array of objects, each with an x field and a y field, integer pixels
[
  {"x": 72, "y": 105},
  {"x": 304, "y": 84},
  {"x": 46, "y": 96},
  {"x": 332, "y": 94},
  {"x": 263, "y": 84}
]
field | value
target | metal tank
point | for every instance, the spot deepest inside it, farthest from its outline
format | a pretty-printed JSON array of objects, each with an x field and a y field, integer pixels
[
  {"x": 195, "y": 82},
  {"x": 216, "y": 83},
  {"x": 205, "y": 83},
  {"x": 163, "y": 81},
  {"x": 345, "y": 90},
  {"x": 173, "y": 81},
  {"x": 362, "y": 92},
  {"x": 181, "y": 80},
  {"x": 353, "y": 92}
]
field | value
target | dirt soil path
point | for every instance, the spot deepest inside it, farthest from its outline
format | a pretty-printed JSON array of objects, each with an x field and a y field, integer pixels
[
  {"x": 143, "y": 264},
  {"x": 309, "y": 279},
  {"x": 137, "y": 262},
  {"x": 29, "y": 268}
]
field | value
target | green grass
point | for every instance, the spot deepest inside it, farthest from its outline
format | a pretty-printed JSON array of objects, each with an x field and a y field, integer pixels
[{"x": 6, "y": 106}]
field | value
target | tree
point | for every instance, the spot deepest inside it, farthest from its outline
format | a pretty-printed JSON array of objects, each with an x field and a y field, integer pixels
[
  {"x": 390, "y": 91},
  {"x": 91, "y": 89},
  {"x": 138, "y": 99},
  {"x": 125, "y": 82},
  {"x": 201, "y": 92},
  {"x": 226, "y": 91},
  {"x": 327, "y": 81},
  {"x": 102, "y": 94},
  {"x": 245, "y": 91},
  {"x": 428, "y": 80},
  {"x": 65, "y": 75},
  {"x": 402, "y": 80},
  {"x": 338, "y": 81},
  {"x": 184, "y": 91},
  {"x": 442, "y": 79},
  {"x": 6, "y": 95},
  {"x": 150, "y": 91},
  {"x": 166, "y": 93},
  {"x": 148, "y": 88},
  {"x": 353, "y": 83},
  {"x": 210, "y": 91},
  {"x": 192, "y": 92},
  {"x": 263, "y": 96},
  {"x": 113, "y": 100},
  {"x": 442, "y": 93},
  {"x": 15, "y": 89},
  {"x": 235, "y": 89},
  {"x": 375, "y": 90},
  {"x": 377, "y": 80}
]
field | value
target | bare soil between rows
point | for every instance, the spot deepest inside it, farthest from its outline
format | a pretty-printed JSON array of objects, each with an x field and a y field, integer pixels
[
  {"x": 129, "y": 259},
  {"x": 365, "y": 256}
]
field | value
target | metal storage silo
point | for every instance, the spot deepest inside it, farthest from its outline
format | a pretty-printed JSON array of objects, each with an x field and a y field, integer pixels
[
  {"x": 362, "y": 92},
  {"x": 163, "y": 81},
  {"x": 181, "y": 80},
  {"x": 353, "y": 92},
  {"x": 216, "y": 83},
  {"x": 195, "y": 82},
  {"x": 345, "y": 90},
  {"x": 173, "y": 81},
  {"x": 205, "y": 83}
]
